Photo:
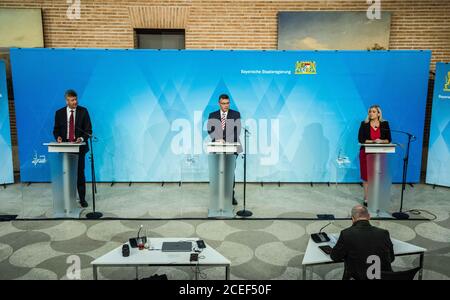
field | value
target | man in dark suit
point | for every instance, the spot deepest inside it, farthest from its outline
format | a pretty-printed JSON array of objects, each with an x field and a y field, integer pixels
[
  {"x": 361, "y": 240},
  {"x": 73, "y": 124},
  {"x": 224, "y": 125}
]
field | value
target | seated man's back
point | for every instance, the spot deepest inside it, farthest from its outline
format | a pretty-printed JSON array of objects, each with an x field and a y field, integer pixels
[{"x": 357, "y": 243}]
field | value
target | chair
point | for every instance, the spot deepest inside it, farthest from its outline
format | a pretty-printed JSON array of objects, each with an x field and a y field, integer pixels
[{"x": 401, "y": 275}]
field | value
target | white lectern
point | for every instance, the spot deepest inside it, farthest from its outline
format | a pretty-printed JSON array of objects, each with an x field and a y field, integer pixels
[
  {"x": 379, "y": 178},
  {"x": 64, "y": 167},
  {"x": 222, "y": 162}
]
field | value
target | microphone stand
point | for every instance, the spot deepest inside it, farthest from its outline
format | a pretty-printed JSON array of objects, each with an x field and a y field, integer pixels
[
  {"x": 93, "y": 214},
  {"x": 245, "y": 213},
  {"x": 401, "y": 215}
]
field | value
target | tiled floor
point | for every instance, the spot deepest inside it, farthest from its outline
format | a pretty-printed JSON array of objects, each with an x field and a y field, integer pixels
[{"x": 258, "y": 249}]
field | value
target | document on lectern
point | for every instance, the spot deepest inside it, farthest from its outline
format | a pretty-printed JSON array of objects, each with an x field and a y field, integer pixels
[
  {"x": 62, "y": 144},
  {"x": 379, "y": 148},
  {"x": 379, "y": 145},
  {"x": 214, "y": 147},
  {"x": 69, "y": 147}
]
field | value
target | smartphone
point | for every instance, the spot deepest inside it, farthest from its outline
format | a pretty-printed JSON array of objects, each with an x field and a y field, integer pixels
[
  {"x": 194, "y": 257},
  {"x": 201, "y": 244},
  {"x": 326, "y": 249}
]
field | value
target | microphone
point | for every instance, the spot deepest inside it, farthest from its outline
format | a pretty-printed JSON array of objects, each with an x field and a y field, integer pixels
[
  {"x": 138, "y": 241},
  {"x": 324, "y": 227},
  {"x": 87, "y": 133},
  {"x": 399, "y": 131},
  {"x": 139, "y": 231},
  {"x": 404, "y": 132}
]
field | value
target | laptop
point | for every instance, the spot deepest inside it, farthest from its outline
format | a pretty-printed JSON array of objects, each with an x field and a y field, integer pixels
[{"x": 176, "y": 247}]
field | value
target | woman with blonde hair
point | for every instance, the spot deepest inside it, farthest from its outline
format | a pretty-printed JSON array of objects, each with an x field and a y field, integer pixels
[{"x": 374, "y": 129}]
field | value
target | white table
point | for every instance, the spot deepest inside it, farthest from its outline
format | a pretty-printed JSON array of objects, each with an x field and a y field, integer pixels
[
  {"x": 314, "y": 256},
  {"x": 155, "y": 257}
]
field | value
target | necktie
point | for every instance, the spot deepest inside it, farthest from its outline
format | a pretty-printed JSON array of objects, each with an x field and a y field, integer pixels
[
  {"x": 71, "y": 127},
  {"x": 223, "y": 120}
]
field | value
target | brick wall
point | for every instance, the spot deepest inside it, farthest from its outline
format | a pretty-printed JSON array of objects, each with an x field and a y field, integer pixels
[
  {"x": 221, "y": 24},
  {"x": 232, "y": 24}
]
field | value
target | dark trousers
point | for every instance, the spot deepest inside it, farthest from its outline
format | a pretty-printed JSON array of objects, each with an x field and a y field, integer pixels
[
  {"x": 234, "y": 183},
  {"x": 81, "y": 179},
  {"x": 234, "y": 177}
]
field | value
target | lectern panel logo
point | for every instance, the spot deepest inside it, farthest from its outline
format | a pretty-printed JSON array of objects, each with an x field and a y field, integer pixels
[
  {"x": 41, "y": 159},
  {"x": 447, "y": 83},
  {"x": 305, "y": 67}
]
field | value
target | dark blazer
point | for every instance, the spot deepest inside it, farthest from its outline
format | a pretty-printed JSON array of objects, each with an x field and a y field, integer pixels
[
  {"x": 83, "y": 126},
  {"x": 233, "y": 121},
  {"x": 364, "y": 132},
  {"x": 357, "y": 243}
]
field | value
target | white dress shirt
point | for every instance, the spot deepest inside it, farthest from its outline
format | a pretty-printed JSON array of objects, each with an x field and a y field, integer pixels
[{"x": 223, "y": 114}]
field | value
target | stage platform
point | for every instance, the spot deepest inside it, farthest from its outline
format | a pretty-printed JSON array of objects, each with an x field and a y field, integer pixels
[{"x": 190, "y": 200}]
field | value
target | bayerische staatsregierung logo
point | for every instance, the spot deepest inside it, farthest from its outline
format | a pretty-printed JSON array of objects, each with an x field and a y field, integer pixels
[{"x": 305, "y": 67}]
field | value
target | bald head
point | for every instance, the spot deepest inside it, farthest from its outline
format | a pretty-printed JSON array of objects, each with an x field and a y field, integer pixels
[{"x": 360, "y": 212}]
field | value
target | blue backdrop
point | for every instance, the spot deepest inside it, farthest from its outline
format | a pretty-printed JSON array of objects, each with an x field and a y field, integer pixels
[
  {"x": 439, "y": 145},
  {"x": 148, "y": 108},
  {"x": 6, "y": 164}
]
